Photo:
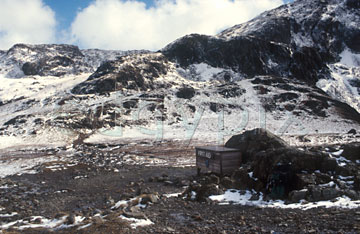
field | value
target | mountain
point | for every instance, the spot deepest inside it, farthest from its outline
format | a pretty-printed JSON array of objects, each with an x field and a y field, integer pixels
[
  {"x": 53, "y": 60},
  {"x": 294, "y": 70},
  {"x": 312, "y": 41}
]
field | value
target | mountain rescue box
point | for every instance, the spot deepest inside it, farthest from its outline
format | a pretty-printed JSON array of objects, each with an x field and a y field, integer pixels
[{"x": 217, "y": 159}]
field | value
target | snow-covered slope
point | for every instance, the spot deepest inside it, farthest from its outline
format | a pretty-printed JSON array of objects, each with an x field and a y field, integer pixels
[
  {"x": 271, "y": 72},
  {"x": 53, "y": 60},
  {"x": 325, "y": 24},
  {"x": 316, "y": 41}
]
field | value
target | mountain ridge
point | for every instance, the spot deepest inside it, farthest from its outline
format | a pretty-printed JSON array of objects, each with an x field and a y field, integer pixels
[{"x": 290, "y": 88}]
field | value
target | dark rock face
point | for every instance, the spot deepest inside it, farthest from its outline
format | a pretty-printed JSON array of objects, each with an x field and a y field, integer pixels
[
  {"x": 243, "y": 54},
  {"x": 130, "y": 104},
  {"x": 186, "y": 92},
  {"x": 137, "y": 72},
  {"x": 305, "y": 64},
  {"x": 45, "y": 66},
  {"x": 29, "y": 69},
  {"x": 352, "y": 151},
  {"x": 270, "y": 44},
  {"x": 250, "y": 56},
  {"x": 55, "y": 59},
  {"x": 230, "y": 90},
  {"x": 46, "y": 60}
]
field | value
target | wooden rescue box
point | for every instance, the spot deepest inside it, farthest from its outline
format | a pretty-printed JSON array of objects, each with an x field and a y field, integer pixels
[{"x": 217, "y": 159}]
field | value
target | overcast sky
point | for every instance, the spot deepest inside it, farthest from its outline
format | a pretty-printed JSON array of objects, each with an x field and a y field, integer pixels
[{"x": 120, "y": 24}]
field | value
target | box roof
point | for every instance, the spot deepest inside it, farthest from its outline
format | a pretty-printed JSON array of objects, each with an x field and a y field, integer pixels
[{"x": 217, "y": 148}]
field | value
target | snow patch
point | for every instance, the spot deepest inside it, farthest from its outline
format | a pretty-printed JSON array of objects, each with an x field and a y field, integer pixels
[
  {"x": 137, "y": 222},
  {"x": 349, "y": 58},
  {"x": 22, "y": 165},
  {"x": 238, "y": 197}
]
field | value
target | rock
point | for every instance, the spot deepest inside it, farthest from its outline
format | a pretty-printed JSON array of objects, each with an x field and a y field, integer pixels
[
  {"x": 303, "y": 180},
  {"x": 322, "y": 178},
  {"x": 147, "y": 198},
  {"x": 136, "y": 72},
  {"x": 254, "y": 197},
  {"x": 135, "y": 209},
  {"x": 169, "y": 229},
  {"x": 352, "y": 194},
  {"x": 241, "y": 179},
  {"x": 357, "y": 182},
  {"x": 254, "y": 141},
  {"x": 352, "y": 131},
  {"x": 330, "y": 193},
  {"x": 160, "y": 179},
  {"x": 184, "y": 183},
  {"x": 297, "y": 195},
  {"x": 37, "y": 221},
  {"x": 280, "y": 181},
  {"x": 315, "y": 193},
  {"x": 110, "y": 201},
  {"x": 213, "y": 179},
  {"x": 97, "y": 219},
  {"x": 168, "y": 182},
  {"x": 137, "y": 215},
  {"x": 70, "y": 219},
  {"x": 328, "y": 164},
  {"x": 186, "y": 93},
  {"x": 205, "y": 191},
  {"x": 197, "y": 217},
  {"x": 226, "y": 182},
  {"x": 352, "y": 151},
  {"x": 60, "y": 215},
  {"x": 130, "y": 104}
]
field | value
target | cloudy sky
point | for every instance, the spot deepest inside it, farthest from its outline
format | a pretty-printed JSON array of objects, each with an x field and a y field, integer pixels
[{"x": 120, "y": 24}]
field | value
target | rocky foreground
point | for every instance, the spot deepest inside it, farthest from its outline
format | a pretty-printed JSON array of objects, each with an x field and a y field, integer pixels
[{"x": 145, "y": 187}]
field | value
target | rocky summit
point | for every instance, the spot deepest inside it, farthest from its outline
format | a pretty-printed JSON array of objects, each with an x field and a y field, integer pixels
[{"x": 95, "y": 141}]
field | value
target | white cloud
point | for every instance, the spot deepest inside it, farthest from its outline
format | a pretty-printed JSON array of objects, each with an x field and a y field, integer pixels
[
  {"x": 119, "y": 24},
  {"x": 25, "y": 21}
]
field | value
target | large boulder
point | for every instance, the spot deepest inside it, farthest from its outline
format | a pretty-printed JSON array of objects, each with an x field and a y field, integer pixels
[
  {"x": 352, "y": 151},
  {"x": 254, "y": 141},
  {"x": 272, "y": 166}
]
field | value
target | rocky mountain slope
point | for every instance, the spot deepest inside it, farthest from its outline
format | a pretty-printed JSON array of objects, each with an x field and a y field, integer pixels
[
  {"x": 53, "y": 60},
  {"x": 293, "y": 70},
  {"x": 312, "y": 41}
]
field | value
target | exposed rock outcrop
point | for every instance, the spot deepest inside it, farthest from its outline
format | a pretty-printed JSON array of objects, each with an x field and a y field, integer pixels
[{"x": 274, "y": 167}]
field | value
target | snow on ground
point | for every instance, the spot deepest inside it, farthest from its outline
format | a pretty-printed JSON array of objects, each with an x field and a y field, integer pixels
[
  {"x": 134, "y": 223},
  {"x": 349, "y": 58},
  {"x": 7, "y": 141},
  {"x": 238, "y": 197},
  {"x": 22, "y": 165},
  {"x": 38, "y": 90},
  {"x": 52, "y": 224},
  {"x": 205, "y": 72},
  {"x": 38, "y": 87}
]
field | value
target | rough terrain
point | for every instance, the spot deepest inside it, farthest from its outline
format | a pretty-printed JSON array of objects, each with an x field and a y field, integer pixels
[{"x": 81, "y": 185}]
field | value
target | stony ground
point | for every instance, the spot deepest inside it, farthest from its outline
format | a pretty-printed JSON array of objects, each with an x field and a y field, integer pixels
[{"x": 92, "y": 181}]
